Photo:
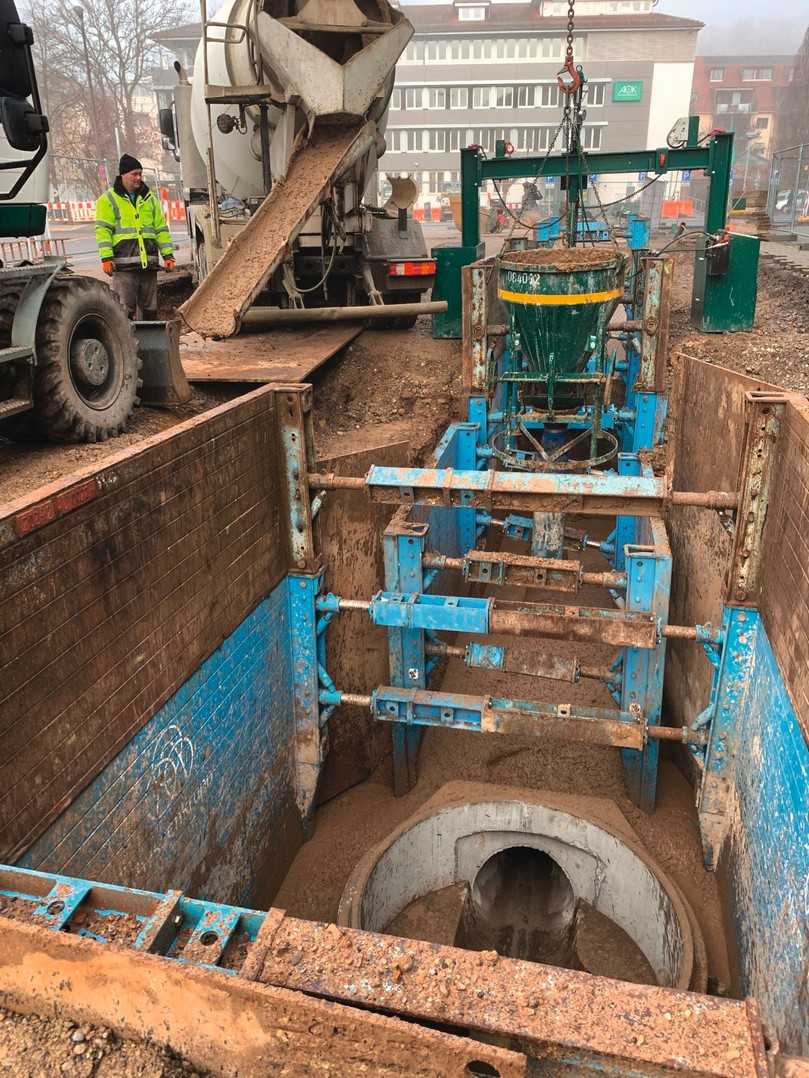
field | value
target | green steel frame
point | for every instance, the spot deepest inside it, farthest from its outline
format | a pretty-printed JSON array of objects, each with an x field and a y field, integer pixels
[
  {"x": 724, "y": 291},
  {"x": 714, "y": 157}
]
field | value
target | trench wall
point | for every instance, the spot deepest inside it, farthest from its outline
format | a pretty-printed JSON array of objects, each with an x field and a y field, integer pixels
[
  {"x": 766, "y": 861},
  {"x": 146, "y": 726}
]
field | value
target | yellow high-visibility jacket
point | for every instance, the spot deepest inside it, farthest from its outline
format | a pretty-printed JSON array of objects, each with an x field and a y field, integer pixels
[{"x": 131, "y": 235}]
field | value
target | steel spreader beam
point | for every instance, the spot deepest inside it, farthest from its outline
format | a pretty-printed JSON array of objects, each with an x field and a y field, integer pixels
[{"x": 595, "y": 494}]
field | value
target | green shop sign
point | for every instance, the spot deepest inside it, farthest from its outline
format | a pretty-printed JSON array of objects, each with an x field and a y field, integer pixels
[{"x": 627, "y": 91}]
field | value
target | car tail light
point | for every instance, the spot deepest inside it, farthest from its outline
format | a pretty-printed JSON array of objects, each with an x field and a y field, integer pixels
[{"x": 424, "y": 268}]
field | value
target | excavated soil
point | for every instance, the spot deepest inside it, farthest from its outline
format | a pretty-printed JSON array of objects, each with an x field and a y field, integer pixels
[
  {"x": 257, "y": 250},
  {"x": 775, "y": 350},
  {"x": 35, "y": 1047},
  {"x": 565, "y": 258}
]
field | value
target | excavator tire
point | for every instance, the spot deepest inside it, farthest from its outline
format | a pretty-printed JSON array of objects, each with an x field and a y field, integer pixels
[{"x": 86, "y": 378}]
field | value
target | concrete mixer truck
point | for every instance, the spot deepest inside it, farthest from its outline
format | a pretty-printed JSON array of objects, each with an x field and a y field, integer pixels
[{"x": 279, "y": 139}]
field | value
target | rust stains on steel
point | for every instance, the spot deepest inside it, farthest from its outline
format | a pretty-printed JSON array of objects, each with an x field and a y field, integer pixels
[
  {"x": 498, "y": 567},
  {"x": 554, "y": 1014},
  {"x": 558, "y": 721},
  {"x": 513, "y": 490},
  {"x": 226, "y": 1025},
  {"x": 621, "y": 629}
]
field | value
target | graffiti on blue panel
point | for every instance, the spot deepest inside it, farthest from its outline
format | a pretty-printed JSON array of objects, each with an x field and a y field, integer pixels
[{"x": 183, "y": 803}]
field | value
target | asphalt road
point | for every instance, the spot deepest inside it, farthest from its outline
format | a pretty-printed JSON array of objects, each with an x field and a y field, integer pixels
[{"x": 81, "y": 246}]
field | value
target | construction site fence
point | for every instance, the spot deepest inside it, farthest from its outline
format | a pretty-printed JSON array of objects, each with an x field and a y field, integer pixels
[
  {"x": 76, "y": 183},
  {"x": 77, "y": 212}
]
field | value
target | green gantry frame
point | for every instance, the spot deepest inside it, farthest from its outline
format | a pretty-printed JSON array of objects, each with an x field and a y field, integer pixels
[
  {"x": 715, "y": 157},
  {"x": 725, "y": 275}
]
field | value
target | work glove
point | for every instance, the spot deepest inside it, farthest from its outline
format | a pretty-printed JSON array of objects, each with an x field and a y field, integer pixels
[
  {"x": 107, "y": 266},
  {"x": 169, "y": 265}
]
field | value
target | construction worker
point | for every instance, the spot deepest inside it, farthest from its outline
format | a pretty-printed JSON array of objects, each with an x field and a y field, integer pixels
[{"x": 131, "y": 233}]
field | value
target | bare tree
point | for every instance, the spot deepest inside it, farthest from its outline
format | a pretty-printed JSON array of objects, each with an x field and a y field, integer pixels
[
  {"x": 794, "y": 124},
  {"x": 91, "y": 61}
]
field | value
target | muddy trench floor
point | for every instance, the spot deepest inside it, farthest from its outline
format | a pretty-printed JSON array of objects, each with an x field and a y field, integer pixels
[{"x": 362, "y": 400}]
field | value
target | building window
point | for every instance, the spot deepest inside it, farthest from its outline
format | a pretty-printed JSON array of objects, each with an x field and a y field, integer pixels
[
  {"x": 595, "y": 94},
  {"x": 436, "y": 99},
  {"x": 481, "y": 96},
  {"x": 762, "y": 122},
  {"x": 471, "y": 14},
  {"x": 549, "y": 96},
  {"x": 459, "y": 97},
  {"x": 526, "y": 97},
  {"x": 436, "y": 140},
  {"x": 411, "y": 97},
  {"x": 455, "y": 139},
  {"x": 591, "y": 138},
  {"x": 393, "y": 140},
  {"x": 504, "y": 97},
  {"x": 717, "y": 74},
  {"x": 396, "y": 99},
  {"x": 756, "y": 74}
]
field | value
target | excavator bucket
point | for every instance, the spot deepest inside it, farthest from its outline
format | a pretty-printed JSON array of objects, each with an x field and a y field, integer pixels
[{"x": 164, "y": 382}]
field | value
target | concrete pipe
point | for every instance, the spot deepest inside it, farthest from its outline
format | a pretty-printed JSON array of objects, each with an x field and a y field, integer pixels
[{"x": 453, "y": 839}]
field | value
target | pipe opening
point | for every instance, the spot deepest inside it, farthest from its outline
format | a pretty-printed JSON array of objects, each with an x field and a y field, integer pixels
[{"x": 522, "y": 905}]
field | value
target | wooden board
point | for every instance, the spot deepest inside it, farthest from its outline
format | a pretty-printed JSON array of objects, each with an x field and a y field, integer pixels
[{"x": 284, "y": 355}]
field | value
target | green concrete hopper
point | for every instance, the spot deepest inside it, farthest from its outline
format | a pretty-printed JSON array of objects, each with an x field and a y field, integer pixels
[{"x": 560, "y": 302}]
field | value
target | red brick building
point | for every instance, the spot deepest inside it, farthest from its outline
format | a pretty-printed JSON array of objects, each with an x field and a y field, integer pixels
[{"x": 742, "y": 94}]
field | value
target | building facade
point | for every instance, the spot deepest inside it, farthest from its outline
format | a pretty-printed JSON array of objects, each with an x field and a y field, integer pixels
[
  {"x": 743, "y": 94},
  {"x": 477, "y": 71},
  {"x": 480, "y": 70}
]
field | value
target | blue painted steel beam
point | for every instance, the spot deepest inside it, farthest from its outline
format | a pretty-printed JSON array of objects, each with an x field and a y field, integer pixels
[
  {"x": 648, "y": 590},
  {"x": 731, "y": 685},
  {"x": 403, "y": 548},
  {"x": 186, "y": 929},
  {"x": 597, "y": 493},
  {"x": 485, "y": 714},
  {"x": 307, "y": 653}
]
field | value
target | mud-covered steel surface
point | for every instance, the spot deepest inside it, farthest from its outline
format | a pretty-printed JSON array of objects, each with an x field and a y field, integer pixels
[
  {"x": 554, "y": 1014},
  {"x": 225, "y": 1025},
  {"x": 621, "y": 628},
  {"x": 284, "y": 355}
]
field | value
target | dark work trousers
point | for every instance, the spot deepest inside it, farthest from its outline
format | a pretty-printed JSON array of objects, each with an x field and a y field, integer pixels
[{"x": 137, "y": 291}]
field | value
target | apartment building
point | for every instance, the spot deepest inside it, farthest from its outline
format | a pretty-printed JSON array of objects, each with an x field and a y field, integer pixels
[
  {"x": 743, "y": 94},
  {"x": 477, "y": 71}
]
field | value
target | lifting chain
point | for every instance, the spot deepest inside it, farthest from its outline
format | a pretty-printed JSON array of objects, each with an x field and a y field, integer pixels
[{"x": 571, "y": 15}]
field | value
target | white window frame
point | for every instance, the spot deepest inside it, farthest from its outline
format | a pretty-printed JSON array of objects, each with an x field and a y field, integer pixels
[
  {"x": 412, "y": 98},
  {"x": 526, "y": 97},
  {"x": 503, "y": 97},
  {"x": 471, "y": 14},
  {"x": 459, "y": 94},
  {"x": 481, "y": 97},
  {"x": 436, "y": 141},
  {"x": 716, "y": 74},
  {"x": 435, "y": 98}
]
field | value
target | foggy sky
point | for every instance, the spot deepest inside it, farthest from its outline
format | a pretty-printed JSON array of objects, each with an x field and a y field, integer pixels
[{"x": 737, "y": 27}]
